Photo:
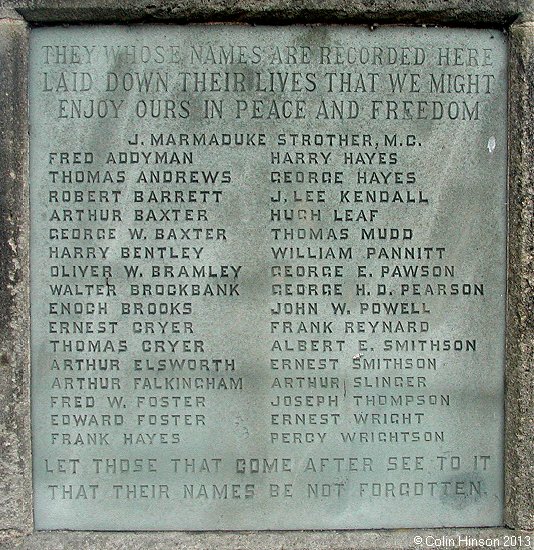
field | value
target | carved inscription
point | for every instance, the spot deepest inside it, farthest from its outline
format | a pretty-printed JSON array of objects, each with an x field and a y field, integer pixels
[{"x": 268, "y": 277}]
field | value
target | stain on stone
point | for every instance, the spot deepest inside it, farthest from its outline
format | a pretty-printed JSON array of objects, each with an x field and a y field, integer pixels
[{"x": 464, "y": 490}]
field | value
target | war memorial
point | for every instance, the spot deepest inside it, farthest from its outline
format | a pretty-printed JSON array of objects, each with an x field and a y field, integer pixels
[{"x": 266, "y": 274}]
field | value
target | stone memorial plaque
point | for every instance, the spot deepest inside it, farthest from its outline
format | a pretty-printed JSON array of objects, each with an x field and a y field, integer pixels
[{"x": 267, "y": 277}]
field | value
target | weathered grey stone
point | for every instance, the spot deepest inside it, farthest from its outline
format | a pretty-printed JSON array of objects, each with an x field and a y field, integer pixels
[
  {"x": 290, "y": 540},
  {"x": 241, "y": 326},
  {"x": 475, "y": 13},
  {"x": 520, "y": 352},
  {"x": 15, "y": 455}
]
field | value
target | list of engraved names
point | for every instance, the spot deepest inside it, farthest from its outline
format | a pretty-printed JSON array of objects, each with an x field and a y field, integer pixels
[{"x": 268, "y": 277}]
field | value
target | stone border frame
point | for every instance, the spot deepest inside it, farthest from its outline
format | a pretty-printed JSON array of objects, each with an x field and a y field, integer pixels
[{"x": 515, "y": 17}]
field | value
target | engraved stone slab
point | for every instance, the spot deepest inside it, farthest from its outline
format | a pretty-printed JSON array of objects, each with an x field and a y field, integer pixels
[{"x": 268, "y": 277}]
